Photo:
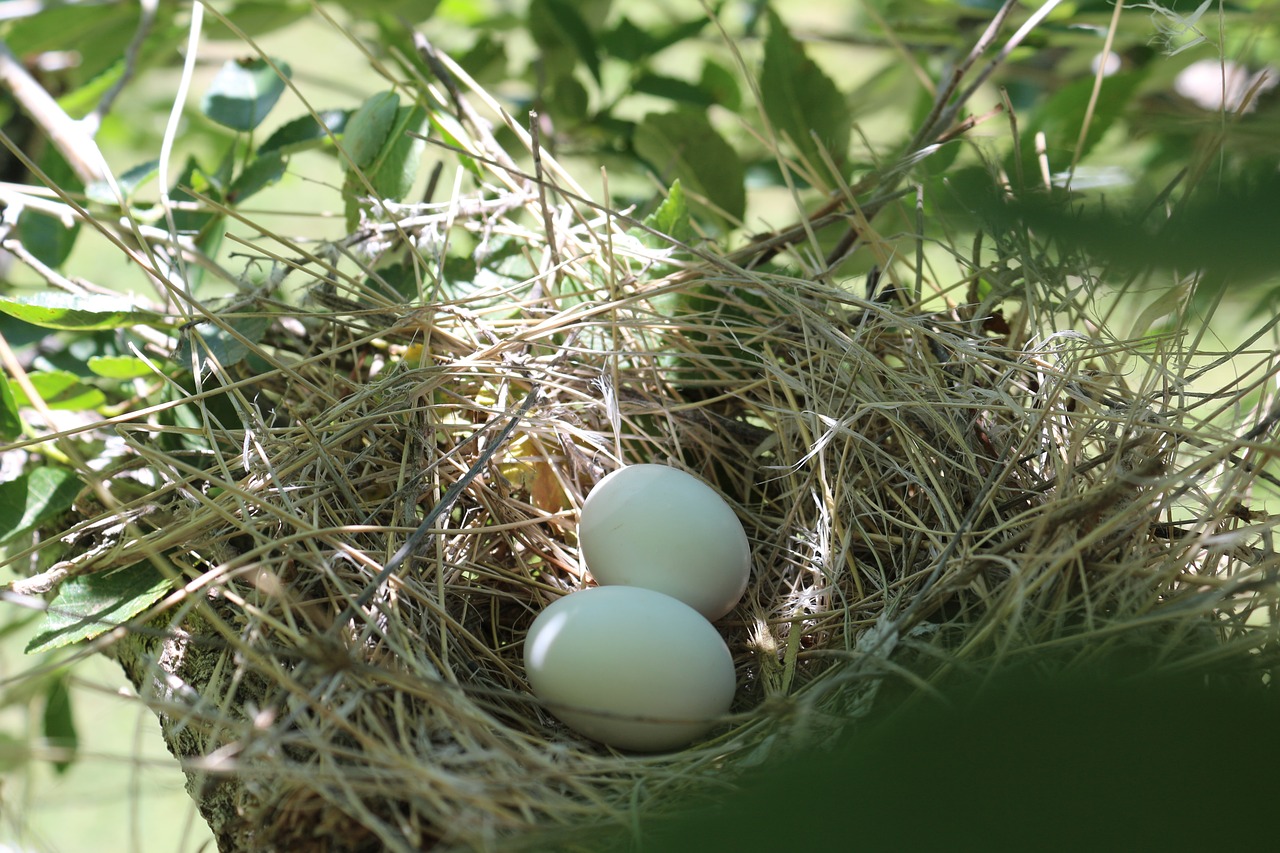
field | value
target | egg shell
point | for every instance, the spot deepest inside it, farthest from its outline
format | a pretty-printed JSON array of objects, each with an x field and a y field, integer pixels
[
  {"x": 660, "y": 528},
  {"x": 629, "y": 667}
]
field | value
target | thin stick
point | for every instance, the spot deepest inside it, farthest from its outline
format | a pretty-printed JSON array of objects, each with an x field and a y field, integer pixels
[
  {"x": 535, "y": 146},
  {"x": 66, "y": 134},
  {"x": 1097, "y": 90}
]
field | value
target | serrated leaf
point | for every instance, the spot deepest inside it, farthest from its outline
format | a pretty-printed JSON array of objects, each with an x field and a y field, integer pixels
[
  {"x": 801, "y": 100},
  {"x": 73, "y": 312},
  {"x": 243, "y": 92},
  {"x": 118, "y": 366},
  {"x": 10, "y": 420},
  {"x": 369, "y": 127},
  {"x": 305, "y": 132},
  {"x": 59, "y": 723},
  {"x": 262, "y": 172},
  {"x": 683, "y": 145},
  {"x": 35, "y": 498},
  {"x": 90, "y": 605},
  {"x": 671, "y": 218},
  {"x": 60, "y": 389}
]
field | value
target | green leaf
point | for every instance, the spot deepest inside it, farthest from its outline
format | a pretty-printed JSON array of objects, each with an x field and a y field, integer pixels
[
  {"x": 721, "y": 84},
  {"x": 69, "y": 311},
  {"x": 305, "y": 132},
  {"x": 558, "y": 20},
  {"x": 100, "y": 191},
  {"x": 10, "y": 420},
  {"x": 634, "y": 44},
  {"x": 1059, "y": 119},
  {"x": 220, "y": 344},
  {"x": 118, "y": 366},
  {"x": 59, "y": 722},
  {"x": 201, "y": 223},
  {"x": 630, "y": 43},
  {"x": 683, "y": 146},
  {"x": 257, "y": 17},
  {"x": 673, "y": 89},
  {"x": 35, "y": 498},
  {"x": 452, "y": 134},
  {"x": 48, "y": 237},
  {"x": 671, "y": 218},
  {"x": 58, "y": 25},
  {"x": 243, "y": 92},
  {"x": 61, "y": 389},
  {"x": 486, "y": 59},
  {"x": 369, "y": 128},
  {"x": 90, "y": 605},
  {"x": 392, "y": 172},
  {"x": 262, "y": 172},
  {"x": 800, "y": 100}
]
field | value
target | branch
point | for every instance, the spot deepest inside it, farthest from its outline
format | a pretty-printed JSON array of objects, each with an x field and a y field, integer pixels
[{"x": 68, "y": 135}]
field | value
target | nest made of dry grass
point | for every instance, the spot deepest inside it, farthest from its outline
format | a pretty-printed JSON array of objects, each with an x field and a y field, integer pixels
[{"x": 924, "y": 490}]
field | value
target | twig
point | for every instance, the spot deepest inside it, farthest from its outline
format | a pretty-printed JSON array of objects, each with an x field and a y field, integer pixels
[
  {"x": 67, "y": 134},
  {"x": 547, "y": 221}
]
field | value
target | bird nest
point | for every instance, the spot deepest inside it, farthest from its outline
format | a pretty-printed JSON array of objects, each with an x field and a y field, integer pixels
[{"x": 365, "y": 513}]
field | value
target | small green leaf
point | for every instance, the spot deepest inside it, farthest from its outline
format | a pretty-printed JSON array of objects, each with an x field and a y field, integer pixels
[
  {"x": 47, "y": 237},
  {"x": 90, "y": 605},
  {"x": 305, "y": 132},
  {"x": 61, "y": 389},
  {"x": 34, "y": 498},
  {"x": 671, "y": 218},
  {"x": 683, "y": 145},
  {"x": 201, "y": 223},
  {"x": 393, "y": 173},
  {"x": 631, "y": 43},
  {"x": 222, "y": 345},
  {"x": 118, "y": 366},
  {"x": 369, "y": 127},
  {"x": 100, "y": 191},
  {"x": 563, "y": 21},
  {"x": 721, "y": 84},
  {"x": 243, "y": 92},
  {"x": 262, "y": 172},
  {"x": 73, "y": 312},
  {"x": 673, "y": 89},
  {"x": 1058, "y": 118},
  {"x": 800, "y": 99},
  {"x": 10, "y": 420},
  {"x": 60, "y": 723}
]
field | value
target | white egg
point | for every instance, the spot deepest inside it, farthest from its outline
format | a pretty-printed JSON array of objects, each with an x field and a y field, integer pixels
[
  {"x": 629, "y": 667},
  {"x": 659, "y": 528}
]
